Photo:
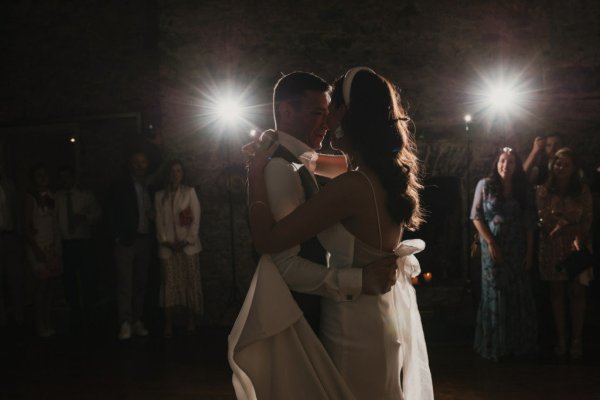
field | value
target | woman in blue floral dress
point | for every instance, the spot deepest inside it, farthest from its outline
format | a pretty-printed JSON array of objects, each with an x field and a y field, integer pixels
[{"x": 504, "y": 215}]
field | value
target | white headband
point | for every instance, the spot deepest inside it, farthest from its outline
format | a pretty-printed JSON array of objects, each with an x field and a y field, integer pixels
[{"x": 348, "y": 78}]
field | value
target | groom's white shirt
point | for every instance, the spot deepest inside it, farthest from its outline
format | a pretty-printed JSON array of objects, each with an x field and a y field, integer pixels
[{"x": 285, "y": 195}]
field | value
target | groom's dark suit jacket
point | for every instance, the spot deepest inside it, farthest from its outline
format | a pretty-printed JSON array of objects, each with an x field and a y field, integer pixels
[{"x": 311, "y": 249}]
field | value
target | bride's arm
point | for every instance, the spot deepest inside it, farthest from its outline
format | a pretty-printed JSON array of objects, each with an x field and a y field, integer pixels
[
  {"x": 331, "y": 165},
  {"x": 334, "y": 203}
]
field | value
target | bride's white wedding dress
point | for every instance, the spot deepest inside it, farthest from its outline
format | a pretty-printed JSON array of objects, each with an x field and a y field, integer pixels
[
  {"x": 372, "y": 339},
  {"x": 375, "y": 348}
]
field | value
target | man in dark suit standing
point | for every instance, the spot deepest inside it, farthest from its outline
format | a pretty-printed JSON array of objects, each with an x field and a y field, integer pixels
[{"x": 131, "y": 215}]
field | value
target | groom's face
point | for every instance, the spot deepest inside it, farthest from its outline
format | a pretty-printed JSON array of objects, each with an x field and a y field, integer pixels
[{"x": 308, "y": 118}]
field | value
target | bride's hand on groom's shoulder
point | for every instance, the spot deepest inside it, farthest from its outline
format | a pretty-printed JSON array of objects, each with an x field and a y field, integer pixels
[
  {"x": 258, "y": 152},
  {"x": 262, "y": 141},
  {"x": 379, "y": 276},
  {"x": 267, "y": 136}
]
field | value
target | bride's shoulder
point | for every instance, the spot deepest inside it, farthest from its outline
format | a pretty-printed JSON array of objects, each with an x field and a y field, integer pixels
[
  {"x": 352, "y": 181},
  {"x": 349, "y": 177}
]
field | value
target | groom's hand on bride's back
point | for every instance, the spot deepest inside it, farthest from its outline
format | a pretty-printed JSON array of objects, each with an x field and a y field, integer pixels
[{"x": 379, "y": 276}]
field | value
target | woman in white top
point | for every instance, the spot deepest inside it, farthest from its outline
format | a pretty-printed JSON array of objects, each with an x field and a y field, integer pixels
[{"x": 177, "y": 224}]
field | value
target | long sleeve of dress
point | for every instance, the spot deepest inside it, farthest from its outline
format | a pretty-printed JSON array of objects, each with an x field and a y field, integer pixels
[{"x": 477, "y": 207}]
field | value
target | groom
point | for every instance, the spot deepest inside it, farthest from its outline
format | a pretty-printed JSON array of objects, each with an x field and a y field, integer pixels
[{"x": 300, "y": 108}]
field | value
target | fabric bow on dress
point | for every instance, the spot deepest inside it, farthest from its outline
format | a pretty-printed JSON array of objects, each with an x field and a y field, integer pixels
[
  {"x": 407, "y": 262},
  {"x": 416, "y": 377}
]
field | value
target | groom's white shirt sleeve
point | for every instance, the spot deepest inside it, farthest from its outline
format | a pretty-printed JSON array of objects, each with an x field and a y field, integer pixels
[{"x": 285, "y": 195}]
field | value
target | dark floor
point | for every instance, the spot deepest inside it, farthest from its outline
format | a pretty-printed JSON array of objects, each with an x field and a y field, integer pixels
[{"x": 97, "y": 366}]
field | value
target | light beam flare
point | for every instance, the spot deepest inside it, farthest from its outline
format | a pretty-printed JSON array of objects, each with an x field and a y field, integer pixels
[
  {"x": 503, "y": 94},
  {"x": 226, "y": 107}
]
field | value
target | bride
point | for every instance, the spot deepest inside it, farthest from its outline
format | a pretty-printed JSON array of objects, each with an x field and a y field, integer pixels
[{"x": 372, "y": 347}]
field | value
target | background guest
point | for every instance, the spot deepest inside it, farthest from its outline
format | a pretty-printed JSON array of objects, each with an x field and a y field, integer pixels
[
  {"x": 43, "y": 246},
  {"x": 11, "y": 267},
  {"x": 177, "y": 224},
  {"x": 595, "y": 188},
  {"x": 131, "y": 214},
  {"x": 77, "y": 210},
  {"x": 542, "y": 151},
  {"x": 536, "y": 168},
  {"x": 565, "y": 210},
  {"x": 504, "y": 216}
]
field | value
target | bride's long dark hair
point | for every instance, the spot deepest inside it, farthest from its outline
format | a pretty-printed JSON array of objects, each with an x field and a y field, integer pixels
[{"x": 376, "y": 125}]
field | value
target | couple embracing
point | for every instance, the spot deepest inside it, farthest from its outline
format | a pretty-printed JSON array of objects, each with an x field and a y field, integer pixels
[{"x": 331, "y": 312}]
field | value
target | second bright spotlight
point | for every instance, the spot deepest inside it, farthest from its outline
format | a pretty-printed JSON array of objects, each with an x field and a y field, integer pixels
[{"x": 505, "y": 93}]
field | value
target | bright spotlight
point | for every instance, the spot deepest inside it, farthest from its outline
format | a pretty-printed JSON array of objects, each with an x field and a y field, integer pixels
[
  {"x": 253, "y": 132},
  {"x": 502, "y": 98},
  {"x": 227, "y": 107},
  {"x": 505, "y": 93},
  {"x": 468, "y": 118},
  {"x": 229, "y": 110},
  {"x": 72, "y": 139}
]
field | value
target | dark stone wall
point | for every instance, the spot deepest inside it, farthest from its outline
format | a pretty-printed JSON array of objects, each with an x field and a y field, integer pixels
[
  {"x": 67, "y": 59},
  {"x": 165, "y": 60},
  {"x": 436, "y": 51}
]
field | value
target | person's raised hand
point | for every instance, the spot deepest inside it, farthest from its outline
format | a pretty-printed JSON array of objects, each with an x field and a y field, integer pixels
[
  {"x": 269, "y": 135},
  {"x": 560, "y": 224},
  {"x": 258, "y": 153},
  {"x": 249, "y": 149},
  {"x": 538, "y": 145}
]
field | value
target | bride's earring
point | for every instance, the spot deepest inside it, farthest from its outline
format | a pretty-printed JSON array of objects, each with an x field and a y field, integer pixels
[{"x": 339, "y": 133}]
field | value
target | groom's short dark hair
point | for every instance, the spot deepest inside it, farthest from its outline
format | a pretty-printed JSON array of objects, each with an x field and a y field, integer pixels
[{"x": 292, "y": 86}]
